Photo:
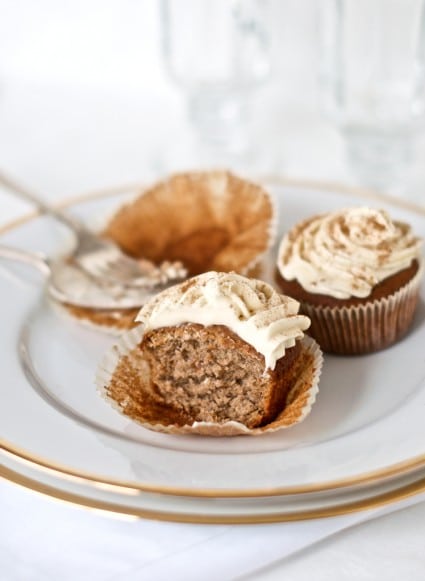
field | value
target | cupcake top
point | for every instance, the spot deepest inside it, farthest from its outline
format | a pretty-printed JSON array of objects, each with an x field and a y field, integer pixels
[
  {"x": 250, "y": 308},
  {"x": 347, "y": 253}
]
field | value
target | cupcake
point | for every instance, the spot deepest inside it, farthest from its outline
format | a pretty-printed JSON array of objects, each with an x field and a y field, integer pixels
[
  {"x": 357, "y": 275},
  {"x": 219, "y": 354},
  {"x": 208, "y": 220}
]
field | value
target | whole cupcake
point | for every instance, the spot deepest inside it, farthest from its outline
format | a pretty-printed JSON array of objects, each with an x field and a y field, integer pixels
[
  {"x": 357, "y": 275},
  {"x": 219, "y": 354}
]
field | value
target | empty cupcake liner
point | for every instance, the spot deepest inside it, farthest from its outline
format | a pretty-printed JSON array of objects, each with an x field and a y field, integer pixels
[
  {"x": 111, "y": 322},
  {"x": 209, "y": 220},
  {"x": 123, "y": 369}
]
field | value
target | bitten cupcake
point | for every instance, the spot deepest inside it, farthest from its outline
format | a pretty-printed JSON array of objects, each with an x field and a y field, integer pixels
[
  {"x": 357, "y": 275},
  {"x": 219, "y": 354}
]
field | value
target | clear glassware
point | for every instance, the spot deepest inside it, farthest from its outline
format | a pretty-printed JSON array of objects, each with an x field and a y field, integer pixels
[
  {"x": 373, "y": 82},
  {"x": 217, "y": 51}
]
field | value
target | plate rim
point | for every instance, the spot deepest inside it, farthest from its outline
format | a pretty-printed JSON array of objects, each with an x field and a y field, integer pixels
[
  {"x": 375, "y": 501},
  {"x": 397, "y": 469}
]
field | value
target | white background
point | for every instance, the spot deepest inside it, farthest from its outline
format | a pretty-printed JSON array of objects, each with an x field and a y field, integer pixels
[{"x": 82, "y": 81}]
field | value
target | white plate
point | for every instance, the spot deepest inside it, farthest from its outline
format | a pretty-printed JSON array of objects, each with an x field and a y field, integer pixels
[
  {"x": 366, "y": 425},
  {"x": 261, "y": 509}
]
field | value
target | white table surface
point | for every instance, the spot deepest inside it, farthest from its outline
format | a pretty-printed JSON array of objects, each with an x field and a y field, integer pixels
[{"x": 64, "y": 139}]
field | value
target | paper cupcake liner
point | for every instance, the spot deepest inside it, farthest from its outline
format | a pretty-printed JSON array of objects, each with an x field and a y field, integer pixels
[
  {"x": 218, "y": 220},
  {"x": 112, "y": 323},
  {"x": 298, "y": 404},
  {"x": 365, "y": 328},
  {"x": 209, "y": 220}
]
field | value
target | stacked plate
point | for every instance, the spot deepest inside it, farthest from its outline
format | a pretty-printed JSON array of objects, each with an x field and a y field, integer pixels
[{"x": 363, "y": 445}]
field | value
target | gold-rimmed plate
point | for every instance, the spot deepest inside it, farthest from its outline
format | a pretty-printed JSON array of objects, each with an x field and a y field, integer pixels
[
  {"x": 365, "y": 427},
  {"x": 201, "y": 509}
]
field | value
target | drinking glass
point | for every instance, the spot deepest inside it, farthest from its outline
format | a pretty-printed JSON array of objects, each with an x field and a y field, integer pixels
[
  {"x": 373, "y": 82},
  {"x": 217, "y": 52}
]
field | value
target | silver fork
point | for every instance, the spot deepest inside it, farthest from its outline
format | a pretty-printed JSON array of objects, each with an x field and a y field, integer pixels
[
  {"x": 102, "y": 258},
  {"x": 70, "y": 285}
]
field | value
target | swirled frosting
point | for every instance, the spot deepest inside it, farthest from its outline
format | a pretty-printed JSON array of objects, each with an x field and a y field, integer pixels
[
  {"x": 250, "y": 308},
  {"x": 346, "y": 253}
]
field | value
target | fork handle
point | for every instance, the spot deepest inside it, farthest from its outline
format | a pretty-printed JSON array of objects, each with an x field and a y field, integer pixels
[
  {"x": 32, "y": 258},
  {"x": 42, "y": 206}
]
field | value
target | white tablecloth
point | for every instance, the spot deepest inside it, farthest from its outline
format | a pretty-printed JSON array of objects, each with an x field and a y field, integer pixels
[{"x": 44, "y": 540}]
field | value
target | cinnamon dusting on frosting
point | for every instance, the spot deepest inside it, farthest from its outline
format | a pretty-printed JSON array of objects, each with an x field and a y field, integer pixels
[
  {"x": 250, "y": 308},
  {"x": 346, "y": 253}
]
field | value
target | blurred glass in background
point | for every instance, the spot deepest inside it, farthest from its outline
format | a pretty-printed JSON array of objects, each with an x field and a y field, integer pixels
[
  {"x": 217, "y": 52},
  {"x": 123, "y": 73},
  {"x": 372, "y": 83}
]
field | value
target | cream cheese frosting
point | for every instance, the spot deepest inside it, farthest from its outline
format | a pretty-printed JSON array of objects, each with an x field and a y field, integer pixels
[
  {"x": 346, "y": 253},
  {"x": 250, "y": 308}
]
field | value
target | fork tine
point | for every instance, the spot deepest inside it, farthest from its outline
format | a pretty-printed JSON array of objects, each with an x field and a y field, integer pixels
[{"x": 113, "y": 267}]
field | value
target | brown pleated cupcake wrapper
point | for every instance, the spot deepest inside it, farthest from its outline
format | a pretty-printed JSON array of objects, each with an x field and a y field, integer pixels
[
  {"x": 124, "y": 366},
  {"x": 210, "y": 220},
  {"x": 109, "y": 322},
  {"x": 365, "y": 328}
]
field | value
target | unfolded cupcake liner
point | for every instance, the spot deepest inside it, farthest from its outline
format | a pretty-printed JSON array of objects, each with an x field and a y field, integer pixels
[
  {"x": 123, "y": 367},
  {"x": 213, "y": 218},
  {"x": 365, "y": 328},
  {"x": 110, "y": 322},
  {"x": 210, "y": 220}
]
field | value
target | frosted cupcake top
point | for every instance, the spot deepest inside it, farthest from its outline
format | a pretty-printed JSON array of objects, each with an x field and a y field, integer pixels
[
  {"x": 346, "y": 253},
  {"x": 250, "y": 308}
]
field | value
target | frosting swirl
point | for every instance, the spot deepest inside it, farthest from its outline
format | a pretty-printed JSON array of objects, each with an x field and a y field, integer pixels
[
  {"x": 250, "y": 308},
  {"x": 346, "y": 253}
]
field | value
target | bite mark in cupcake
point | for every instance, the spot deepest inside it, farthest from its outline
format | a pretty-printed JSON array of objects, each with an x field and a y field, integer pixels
[{"x": 219, "y": 355}]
